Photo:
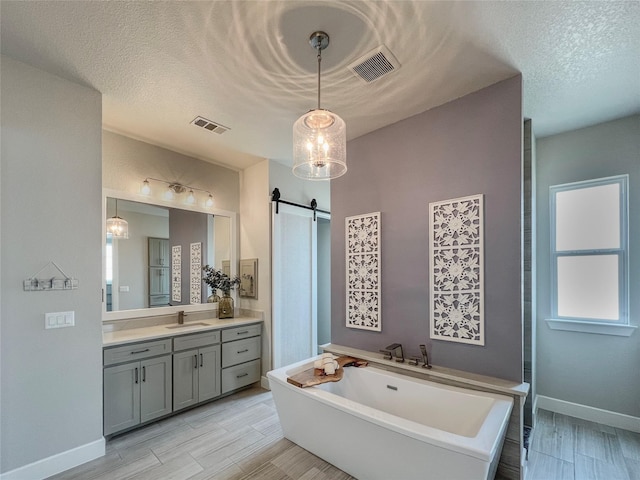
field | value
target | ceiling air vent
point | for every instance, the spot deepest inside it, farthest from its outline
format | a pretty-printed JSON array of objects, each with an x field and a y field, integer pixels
[
  {"x": 209, "y": 125},
  {"x": 374, "y": 65}
]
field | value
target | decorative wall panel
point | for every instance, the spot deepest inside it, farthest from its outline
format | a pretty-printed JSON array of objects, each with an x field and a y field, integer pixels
[
  {"x": 195, "y": 274},
  {"x": 176, "y": 273},
  {"x": 363, "y": 271},
  {"x": 456, "y": 270}
]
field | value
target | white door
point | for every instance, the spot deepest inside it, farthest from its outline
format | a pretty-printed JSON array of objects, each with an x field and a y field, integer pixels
[{"x": 294, "y": 302}]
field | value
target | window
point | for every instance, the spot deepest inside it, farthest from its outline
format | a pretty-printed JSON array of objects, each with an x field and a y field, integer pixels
[{"x": 589, "y": 252}]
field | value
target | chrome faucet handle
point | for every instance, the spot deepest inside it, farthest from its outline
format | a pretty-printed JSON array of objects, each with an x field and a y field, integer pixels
[
  {"x": 414, "y": 360},
  {"x": 387, "y": 354}
]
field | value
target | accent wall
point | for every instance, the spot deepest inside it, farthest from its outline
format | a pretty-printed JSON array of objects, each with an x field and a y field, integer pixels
[{"x": 472, "y": 145}]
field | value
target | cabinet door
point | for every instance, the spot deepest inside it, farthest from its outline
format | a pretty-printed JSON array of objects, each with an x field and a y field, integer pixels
[
  {"x": 158, "y": 281},
  {"x": 155, "y": 388},
  {"x": 158, "y": 252},
  {"x": 208, "y": 372},
  {"x": 121, "y": 397},
  {"x": 185, "y": 379}
]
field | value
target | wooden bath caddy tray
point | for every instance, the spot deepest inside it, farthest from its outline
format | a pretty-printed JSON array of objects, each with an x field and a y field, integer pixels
[{"x": 316, "y": 376}]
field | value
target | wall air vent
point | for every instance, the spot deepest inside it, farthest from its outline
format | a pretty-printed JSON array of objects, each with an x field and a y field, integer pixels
[
  {"x": 209, "y": 125},
  {"x": 374, "y": 65}
]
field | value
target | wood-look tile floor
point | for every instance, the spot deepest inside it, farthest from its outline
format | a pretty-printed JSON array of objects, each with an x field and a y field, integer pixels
[
  {"x": 236, "y": 437},
  {"x": 567, "y": 448},
  {"x": 239, "y": 437}
]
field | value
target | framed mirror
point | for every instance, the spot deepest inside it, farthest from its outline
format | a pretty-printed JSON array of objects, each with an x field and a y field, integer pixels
[{"x": 157, "y": 270}]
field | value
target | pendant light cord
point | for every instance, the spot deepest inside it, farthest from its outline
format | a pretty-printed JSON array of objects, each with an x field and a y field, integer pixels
[{"x": 319, "y": 60}]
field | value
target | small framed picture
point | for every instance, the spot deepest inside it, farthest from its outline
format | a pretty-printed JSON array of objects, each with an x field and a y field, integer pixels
[{"x": 249, "y": 278}]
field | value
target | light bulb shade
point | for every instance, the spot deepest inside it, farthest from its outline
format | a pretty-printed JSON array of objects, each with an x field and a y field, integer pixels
[
  {"x": 191, "y": 198},
  {"x": 209, "y": 202},
  {"x": 319, "y": 146},
  {"x": 146, "y": 188},
  {"x": 117, "y": 227}
]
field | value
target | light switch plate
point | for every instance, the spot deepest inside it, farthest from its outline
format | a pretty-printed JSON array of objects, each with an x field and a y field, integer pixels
[{"x": 59, "y": 319}]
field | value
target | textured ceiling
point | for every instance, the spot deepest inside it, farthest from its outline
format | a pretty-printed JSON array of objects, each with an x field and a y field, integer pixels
[{"x": 248, "y": 65}]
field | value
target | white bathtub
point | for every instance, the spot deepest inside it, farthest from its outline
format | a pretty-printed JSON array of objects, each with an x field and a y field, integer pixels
[{"x": 375, "y": 424}]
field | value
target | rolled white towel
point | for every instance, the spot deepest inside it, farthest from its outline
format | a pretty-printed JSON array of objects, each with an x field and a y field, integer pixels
[{"x": 329, "y": 368}]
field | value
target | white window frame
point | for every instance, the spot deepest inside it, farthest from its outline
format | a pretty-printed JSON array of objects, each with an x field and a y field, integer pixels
[{"x": 620, "y": 326}]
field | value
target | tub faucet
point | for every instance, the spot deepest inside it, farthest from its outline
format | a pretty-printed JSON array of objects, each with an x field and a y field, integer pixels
[
  {"x": 394, "y": 348},
  {"x": 387, "y": 354},
  {"x": 181, "y": 316}
]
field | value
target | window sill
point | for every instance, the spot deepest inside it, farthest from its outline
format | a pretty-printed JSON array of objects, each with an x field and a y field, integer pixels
[{"x": 591, "y": 327}]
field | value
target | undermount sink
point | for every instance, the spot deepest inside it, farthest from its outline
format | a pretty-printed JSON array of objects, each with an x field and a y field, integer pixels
[{"x": 194, "y": 324}]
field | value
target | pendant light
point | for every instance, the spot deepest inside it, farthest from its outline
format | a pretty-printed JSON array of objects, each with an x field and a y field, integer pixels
[
  {"x": 117, "y": 227},
  {"x": 319, "y": 136}
]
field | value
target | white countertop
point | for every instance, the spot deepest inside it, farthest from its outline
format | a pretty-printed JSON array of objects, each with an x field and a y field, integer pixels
[{"x": 130, "y": 335}]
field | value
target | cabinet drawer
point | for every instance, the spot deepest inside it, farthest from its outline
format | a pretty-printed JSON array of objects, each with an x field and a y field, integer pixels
[
  {"x": 158, "y": 300},
  {"x": 196, "y": 340},
  {"x": 240, "y": 375},
  {"x": 135, "y": 351},
  {"x": 240, "y": 351},
  {"x": 238, "y": 333}
]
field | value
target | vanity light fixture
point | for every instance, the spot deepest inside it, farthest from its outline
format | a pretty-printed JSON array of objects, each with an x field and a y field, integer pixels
[
  {"x": 146, "y": 188},
  {"x": 117, "y": 228},
  {"x": 174, "y": 188},
  {"x": 319, "y": 136}
]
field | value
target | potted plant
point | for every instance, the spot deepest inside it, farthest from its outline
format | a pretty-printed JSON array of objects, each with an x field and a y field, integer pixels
[{"x": 218, "y": 280}]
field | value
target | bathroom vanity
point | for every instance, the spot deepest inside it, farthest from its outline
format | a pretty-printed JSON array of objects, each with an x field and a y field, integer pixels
[{"x": 155, "y": 371}]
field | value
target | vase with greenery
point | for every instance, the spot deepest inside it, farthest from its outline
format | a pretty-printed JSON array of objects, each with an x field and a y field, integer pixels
[{"x": 218, "y": 280}]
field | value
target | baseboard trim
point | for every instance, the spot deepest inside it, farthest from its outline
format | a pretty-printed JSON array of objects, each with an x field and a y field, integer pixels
[
  {"x": 593, "y": 414},
  {"x": 264, "y": 383},
  {"x": 58, "y": 463}
]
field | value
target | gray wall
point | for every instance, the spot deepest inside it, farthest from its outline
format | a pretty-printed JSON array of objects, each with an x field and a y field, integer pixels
[
  {"x": 185, "y": 228},
  {"x": 133, "y": 257},
  {"x": 127, "y": 162},
  {"x": 50, "y": 188},
  {"x": 468, "y": 146},
  {"x": 589, "y": 369}
]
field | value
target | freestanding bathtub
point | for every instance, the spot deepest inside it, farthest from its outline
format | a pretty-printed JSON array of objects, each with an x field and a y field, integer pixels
[{"x": 375, "y": 424}]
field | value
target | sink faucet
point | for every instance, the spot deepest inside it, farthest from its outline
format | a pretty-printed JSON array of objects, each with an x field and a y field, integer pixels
[
  {"x": 394, "y": 348},
  {"x": 181, "y": 316}
]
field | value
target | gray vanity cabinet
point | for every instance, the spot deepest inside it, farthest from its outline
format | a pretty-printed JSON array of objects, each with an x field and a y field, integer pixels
[
  {"x": 241, "y": 356},
  {"x": 136, "y": 391},
  {"x": 196, "y": 369}
]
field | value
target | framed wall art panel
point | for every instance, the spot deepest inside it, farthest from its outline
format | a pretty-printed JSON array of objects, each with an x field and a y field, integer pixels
[
  {"x": 456, "y": 270},
  {"x": 363, "y": 271}
]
